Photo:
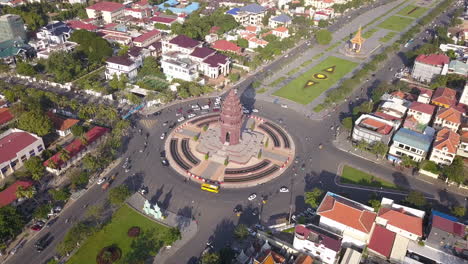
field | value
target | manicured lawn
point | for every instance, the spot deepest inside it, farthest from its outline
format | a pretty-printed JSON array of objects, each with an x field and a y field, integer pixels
[
  {"x": 116, "y": 233},
  {"x": 305, "y": 63},
  {"x": 260, "y": 91},
  {"x": 396, "y": 23},
  {"x": 351, "y": 175},
  {"x": 388, "y": 37},
  {"x": 369, "y": 33},
  {"x": 296, "y": 90},
  {"x": 412, "y": 11},
  {"x": 277, "y": 81},
  {"x": 293, "y": 71}
]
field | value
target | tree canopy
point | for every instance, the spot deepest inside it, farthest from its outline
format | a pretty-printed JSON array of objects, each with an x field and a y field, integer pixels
[
  {"x": 93, "y": 46},
  {"x": 35, "y": 122},
  {"x": 198, "y": 27},
  {"x": 312, "y": 198},
  {"x": 323, "y": 36},
  {"x": 34, "y": 166},
  {"x": 11, "y": 222},
  {"x": 416, "y": 198},
  {"x": 455, "y": 172},
  {"x": 64, "y": 65},
  {"x": 119, "y": 194}
]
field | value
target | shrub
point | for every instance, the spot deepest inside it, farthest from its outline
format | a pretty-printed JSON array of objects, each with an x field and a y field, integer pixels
[
  {"x": 205, "y": 127},
  {"x": 133, "y": 231},
  {"x": 109, "y": 255},
  {"x": 207, "y": 156},
  {"x": 226, "y": 162},
  {"x": 195, "y": 138}
]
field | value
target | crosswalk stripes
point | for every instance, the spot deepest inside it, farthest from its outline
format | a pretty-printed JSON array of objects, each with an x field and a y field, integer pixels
[{"x": 148, "y": 123}]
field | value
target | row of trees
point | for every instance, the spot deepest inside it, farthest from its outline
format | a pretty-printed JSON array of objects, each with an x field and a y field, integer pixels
[{"x": 340, "y": 8}]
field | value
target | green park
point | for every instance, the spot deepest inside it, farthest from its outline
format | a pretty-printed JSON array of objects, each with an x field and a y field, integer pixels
[
  {"x": 396, "y": 23},
  {"x": 128, "y": 233},
  {"x": 308, "y": 86},
  {"x": 351, "y": 175},
  {"x": 413, "y": 11}
]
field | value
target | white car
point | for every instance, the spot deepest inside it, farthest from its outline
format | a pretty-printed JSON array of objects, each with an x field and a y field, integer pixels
[
  {"x": 203, "y": 112},
  {"x": 245, "y": 111},
  {"x": 284, "y": 106},
  {"x": 195, "y": 106},
  {"x": 252, "y": 197},
  {"x": 191, "y": 115},
  {"x": 255, "y": 110},
  {"x": 163, "y": 135},
  {"x": 205, "y": 107},
  {"x": 284, "y": 189},
  {"x": 181, "y": 119},
  {"x": 101, "y": 180}
]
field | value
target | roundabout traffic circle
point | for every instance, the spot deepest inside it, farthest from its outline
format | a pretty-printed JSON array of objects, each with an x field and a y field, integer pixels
[{"x": 229, "y": 148}]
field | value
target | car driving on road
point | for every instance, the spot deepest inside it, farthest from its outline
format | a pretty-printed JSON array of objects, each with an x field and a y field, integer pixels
[{"x": 252, "y": 197}]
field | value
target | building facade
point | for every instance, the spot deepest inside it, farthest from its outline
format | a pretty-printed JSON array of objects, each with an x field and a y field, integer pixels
[
  {"x": 372, "y": 129},
  {"x": 412, "y": 144},
  {"x": 106, "y": 11},
  {"x": 427, "y": 67},
  {"x": 318, "y": 242},
  {"x": 445, "y": 147},
  {"x": 251, "y": 14},
  {"x": 449, "y": 118},
  {"x": 121, "y": 65}
]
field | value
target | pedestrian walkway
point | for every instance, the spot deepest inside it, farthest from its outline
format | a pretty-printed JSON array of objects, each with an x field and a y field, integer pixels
[
  {"x": 188, "y": 227},
  {"x": 148, "y": 123}
]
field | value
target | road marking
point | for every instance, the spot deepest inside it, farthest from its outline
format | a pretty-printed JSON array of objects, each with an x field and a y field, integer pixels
[{"x": 148, "y": 123}]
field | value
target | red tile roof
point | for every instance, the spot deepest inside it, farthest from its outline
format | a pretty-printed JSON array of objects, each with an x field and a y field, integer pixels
[
  {"x": 327, "y": 241},
  {"x": 346, "y": 213},
  {"x": 446, "y": 225},
  {"x": 121, "y": 60},
  {"x": 216, "y": 60},
  {"x": 184, "y": 41},
  {"x": 147, "y": 35},
  {"x": 281, "y": 29},
  {"x": 446, "y": 138},
  {"x": 76, "y": 24},
  {"x": 202, "y": 52},
  {"x": 60, "y": 123},
  {"x": 423, "y": 108},
  {"x": 77, "y": 145},
  {"x": 387, "y": 116},
  {"x": 382, "y": 241},
  {"x": 444, "y": 95},
  {"x": 379, "y": 127},
  {"x": 13, "y": 143},
  {"x": 106, "y": 6},
  {"x": 5, "y": 115},
  {"x": 225, "y": 45},
  {"x": 403, "y": 221},
  {"x": 163, "y": 20},
  {"x": 433, "y": 59},
  {"x": 450, "y": 114},
  {"x": 8, "y": 195}
]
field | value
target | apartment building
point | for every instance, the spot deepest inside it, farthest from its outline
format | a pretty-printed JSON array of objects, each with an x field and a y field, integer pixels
[
  {"x": 412, "y": 144},
  {"x": 373, "y": 129},
  {"x": 450, "y": 118},
  {"x": 427, "y": 67},
  {"x": 251, "y": 14},
  {"x": 445, "y": 147},
  {"x": 108, "y": 12},
  {"x": 320, "y": 243}
]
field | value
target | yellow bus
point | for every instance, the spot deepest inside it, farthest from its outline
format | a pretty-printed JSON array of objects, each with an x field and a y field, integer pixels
[{"x": 210, "y": 188}]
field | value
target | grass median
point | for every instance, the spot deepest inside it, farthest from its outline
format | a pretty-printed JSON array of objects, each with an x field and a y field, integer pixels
[
  {"x": 115, "y": 233},
  {"x": 396, "y": 23},
  {"x": 387, "y": 37},
  {"x": 298, "y": 91},
  {"x": 413, "y": 11},
  {"x": 350, "y": 175}
]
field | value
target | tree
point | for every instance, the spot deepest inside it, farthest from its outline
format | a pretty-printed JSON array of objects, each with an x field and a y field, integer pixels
[
  {"x": 65, "y": 66},
  {"x": 93, "y": 46},
  {"x": 95, "y": 213},
  {"x": 119, "y": 194},
  {"x": 459, "y": 211},
  {"x": 407, "y": 161},
  {"x": 416, "y": 198},
  {"x": 123, "y": 51},
  {"x": 210, "y": 258},
  {"x": 11, "y": 223},
  {"x": 379, "y": 148},
  {"x": 439, "y": 81},
  {"x": 77, "y": 234},
  {"x": 243, "y": 43},
  {"x": 34, "y": 166},
  {"x": 79, "y": 179},
  {"x": 347, "y": 123},
  {"x": 142, "y": 248},
  {"x": 27, "y": 192},
  {"x": 35, "y": 122},
  {"x": 266, "y": 18},
  {"x": 241, "y": 231},
  {"x": 59, "y": 194},
  {"x": 161, "y": 26},
  {"x": 25, "y": 68},
  {"x": 375, "y": 204},
  {"x": 323, "y": 37},
  {"x": 234, "y": 77},
  {"x": 42, "y": 211},
  {"x": 455, "y": 172},
  {"x": 77, "y": 130},
  {"x": 312, "y": 198},
  {"x": 91, "y": 163}
]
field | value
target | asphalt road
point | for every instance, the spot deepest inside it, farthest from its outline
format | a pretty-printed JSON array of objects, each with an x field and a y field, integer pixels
[{"x": 214, "y": 212}]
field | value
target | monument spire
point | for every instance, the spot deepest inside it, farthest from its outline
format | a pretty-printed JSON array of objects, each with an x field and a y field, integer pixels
[
  {"x": 231, "y": 119},
  {"x": 357, "y": 40}
]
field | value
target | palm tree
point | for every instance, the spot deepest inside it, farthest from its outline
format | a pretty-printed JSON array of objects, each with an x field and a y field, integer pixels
[
  {"x": 64, "y": 155},
  {"x": 84, "y": 139},
  {"x": 52, "y": 164},
  {"x": 28, "y": 192}
]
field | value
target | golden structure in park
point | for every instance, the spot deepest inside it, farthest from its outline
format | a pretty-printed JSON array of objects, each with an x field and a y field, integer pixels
[{"x": 357, "y": 41}]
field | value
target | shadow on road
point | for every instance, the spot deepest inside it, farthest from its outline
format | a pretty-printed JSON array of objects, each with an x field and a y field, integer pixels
[
  {"x": 157, "y": 195},
  {"x": 184, "y": 216},
  {"x": 135, "y": 181},
  {"x": 167, "y": 199},
  {"x": 223, "y": 232}
]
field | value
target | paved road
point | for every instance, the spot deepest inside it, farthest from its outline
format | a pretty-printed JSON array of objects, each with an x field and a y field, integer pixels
[{"x": 214, "y": 211}]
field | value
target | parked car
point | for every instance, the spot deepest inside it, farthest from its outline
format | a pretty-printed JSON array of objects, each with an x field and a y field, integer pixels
[
  {"x": 164, "y": 162},
  {"x": 284, "y": 106},
  {"x": 255, "y": 110},
  {"x": 181, "y": 119},
  {"x": 191, "y": 116},
  {"x": 43, "y": 242},
  {"x": 36, "y": 227},
  {"x": 284, "y": 189},
  {"x": 252, "y": 197},
  {"x": 163, "y": 135},
  {"x": 105, "y": 186},
  {"x": 205, "y": 107},
  {"x": 101, "y": 180}
]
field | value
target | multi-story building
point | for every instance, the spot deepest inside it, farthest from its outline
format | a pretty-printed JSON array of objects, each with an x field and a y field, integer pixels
[
  {"x": 426, "y": 67},
  {"x": 445, "y": 147},
  {"x": 449, "y": 118},
  {"x": 394, "y": 106},
  {"x": 251, "y": 14},
  {"x": 17, "y": 146},
  {"x": 464, "y": 95},
  {"x": 54, "y": 33},
  {"x": 179, "y": 67},
  {"x": 147, "y": 38},
  {"x": 281, "y": 20},
  {"x": 425, "y": 95},
  {"x": 320, "y": 243},
  {"x": 180, "y": 43},
  {"x": 458, "y": 67},
  {"x": 319, "y": 4},
  {"x": 106, "y": 11},
  {"x": 411, "y": 143},
  {"x": 281, "y": 32},
  {"x": 224, "y": 45},
  {"x": 350, "y": 219},
  {"x": 463, "y": 146},
  {"x": 118, "y": 65},
  {"x": 11, "y": 27},
  {"x": 422, "y": 113},
  {"x": 62, "y": 125},
  {"x": 373, "y": 129},
  {"x": 444, "y": 97}
]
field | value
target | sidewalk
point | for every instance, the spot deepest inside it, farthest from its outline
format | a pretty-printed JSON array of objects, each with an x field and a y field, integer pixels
[
  {"x": 342, "y": 143},
  {"x": 187, "y": 226}
]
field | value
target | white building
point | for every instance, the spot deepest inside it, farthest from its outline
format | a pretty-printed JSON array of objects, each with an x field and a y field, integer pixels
[
  {"x": 427, "y": 67},
  {"x": 54, "y": 33},
  {"x": 320, "y": 243},
  {"x": 319, "y": 4},
  {"x": 17, "y": 146},
  {"x": 350, "y": 219},
  {"x": 118, "y": 65},
  {"x": 278, "y": 21},
  {"x": 445, "y": 147},
  {"x": 107, "y": 11},
  {"x": 422, "y": 113},
  {"x": 412, "y": 144},
  {"x": 449, "y": 118},
  {"x": 67, "y": 47},
  {"x": 464, "y": 95},
  {"x": 180, "y": 68},
  {"x": 281, "y": 32},
  {"x": 147, "y": 38},
  {"x": 463, "y": 147},
  {"x": 251, "y": 14},
  {"x": 373, "y": 129}
]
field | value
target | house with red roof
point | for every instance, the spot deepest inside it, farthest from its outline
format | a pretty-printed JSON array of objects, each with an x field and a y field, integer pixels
[
  {"x": 450, "y": 118},
  {"x": 74, "y": 151},
  {"x": 78, "y": 24},
  {"x": 351, "y": 220},
  {"x": 421, "y": 112},
  {"x": 281, "y": 32},
  {"x": 425, "y": 95},
  {"x": 444, "y": 97},
  {"x": 8, "y": 196},
  {"x": 147, "y": 38},
  {"x": 381, "y": 242},
  {"x": 107, "y": 11},
  {"x": 62, "y": 125},
  {"x": 168, "y": 21},
  {"x": 321, "y": 243},
  {"x": 371, "y": 129},
  {"x": 427, "y": 67},
  {"x": 17, "y": 146},
  {"x": 5, "y": 116},
  {"x": 224, "y": 45},
  {"x": 445, "y": 146}
]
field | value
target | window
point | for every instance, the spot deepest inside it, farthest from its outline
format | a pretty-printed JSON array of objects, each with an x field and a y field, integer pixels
[
  {"x": 40, "y": 148},
  {"x": 23, "y": 158},
  {"x": 32, "y": 153}
]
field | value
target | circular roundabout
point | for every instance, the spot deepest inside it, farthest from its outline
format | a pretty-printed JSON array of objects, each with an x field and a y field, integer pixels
[{"x": 229, "y": 148}]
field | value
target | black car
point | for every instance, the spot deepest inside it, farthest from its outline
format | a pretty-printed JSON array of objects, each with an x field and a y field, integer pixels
[
  {"x": 43, "y": 242},
  {"x": 164, "y": 162},
  {"x": 162, "y": 154},
  {"x": 237, "y": 209}
]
